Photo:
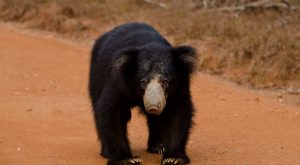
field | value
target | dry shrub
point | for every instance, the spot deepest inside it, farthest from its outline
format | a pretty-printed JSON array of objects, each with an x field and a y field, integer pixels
[{"x": 261, "y": 48}]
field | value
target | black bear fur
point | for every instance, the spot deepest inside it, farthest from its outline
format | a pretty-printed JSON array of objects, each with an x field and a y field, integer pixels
[{"x": 121, "y": 58}]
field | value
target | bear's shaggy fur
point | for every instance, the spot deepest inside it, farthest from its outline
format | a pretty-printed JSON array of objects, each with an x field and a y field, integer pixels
[{"x": 123, "y": 61}]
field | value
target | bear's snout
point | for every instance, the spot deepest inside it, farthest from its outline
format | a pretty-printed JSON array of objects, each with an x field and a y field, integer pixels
[{"x": 154, "y": 97}]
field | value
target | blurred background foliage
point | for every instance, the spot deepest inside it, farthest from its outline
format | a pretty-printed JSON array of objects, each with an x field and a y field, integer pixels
[{"x": 255, "y": 42}]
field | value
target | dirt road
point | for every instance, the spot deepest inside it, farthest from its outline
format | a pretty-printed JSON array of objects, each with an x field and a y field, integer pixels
[{"x": 45, "y": 115}]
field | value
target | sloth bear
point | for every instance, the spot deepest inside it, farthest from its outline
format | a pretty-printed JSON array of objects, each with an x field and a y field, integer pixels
[{"x": 134, "y": 66}]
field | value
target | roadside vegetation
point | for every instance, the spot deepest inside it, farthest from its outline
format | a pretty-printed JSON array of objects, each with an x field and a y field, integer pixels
[{"x": 254, "y": 45}]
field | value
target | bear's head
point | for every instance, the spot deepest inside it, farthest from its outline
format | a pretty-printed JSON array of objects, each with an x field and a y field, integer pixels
[{"x": 155, "y": 72}]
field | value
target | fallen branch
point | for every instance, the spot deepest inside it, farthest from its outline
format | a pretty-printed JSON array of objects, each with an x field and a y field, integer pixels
[
  {"x": 263, "y": 4},
  {"x": 294, "y": 8},
  {"x": 159, "y": 4}
]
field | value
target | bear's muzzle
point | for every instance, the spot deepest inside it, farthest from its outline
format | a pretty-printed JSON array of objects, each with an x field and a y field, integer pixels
[{"x": 154, "y": 98}]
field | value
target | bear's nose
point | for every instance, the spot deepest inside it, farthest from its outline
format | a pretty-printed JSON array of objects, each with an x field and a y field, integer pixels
[{"x": 154, "y": 97}]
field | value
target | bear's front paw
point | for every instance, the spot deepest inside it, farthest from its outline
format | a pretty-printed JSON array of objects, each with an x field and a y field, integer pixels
[
  {"x": 173, "y": 161},
  {"x": 131, "y": 161}
]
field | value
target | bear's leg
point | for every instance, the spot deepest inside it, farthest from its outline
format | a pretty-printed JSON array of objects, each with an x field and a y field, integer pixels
[
  {"x": 111, "y": 117},
  {"x": 176, "y": 125},
  {"x": 155, "y": 143}
]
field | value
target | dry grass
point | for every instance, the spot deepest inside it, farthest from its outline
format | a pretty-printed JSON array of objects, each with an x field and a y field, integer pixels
[{"x": 260, "y": 48}]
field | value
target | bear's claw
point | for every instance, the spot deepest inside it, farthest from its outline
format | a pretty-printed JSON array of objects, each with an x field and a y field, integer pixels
[
  {"x": 131, "y": 161},
  {"x": 136, "y": 161},
  {"x": 157, "y": 150},
  {"x": 161, "y": 150},
  {"x": 173, "y": 161}
]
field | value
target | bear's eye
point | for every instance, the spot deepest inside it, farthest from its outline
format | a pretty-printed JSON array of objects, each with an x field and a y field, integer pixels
[
  {"x": 165, "y": 83},
  {"x": 144, "y": 83}
]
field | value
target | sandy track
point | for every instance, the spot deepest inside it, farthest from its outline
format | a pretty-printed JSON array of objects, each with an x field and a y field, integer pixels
[{"x": 45, "y": 115}]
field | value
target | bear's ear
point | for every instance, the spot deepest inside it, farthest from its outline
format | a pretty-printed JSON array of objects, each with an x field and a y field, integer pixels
[
  {"x": 187, "y": 55},
  {"x": 124, "y": 58}
]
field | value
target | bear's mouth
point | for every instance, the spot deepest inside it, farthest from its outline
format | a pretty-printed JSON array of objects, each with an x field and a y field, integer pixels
[{"x": 153, "y": 110}]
